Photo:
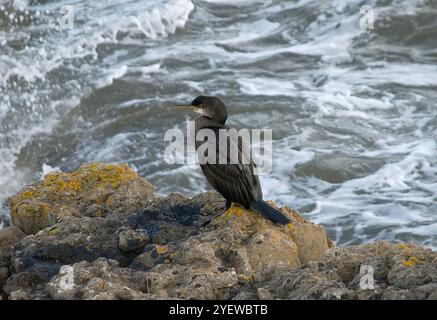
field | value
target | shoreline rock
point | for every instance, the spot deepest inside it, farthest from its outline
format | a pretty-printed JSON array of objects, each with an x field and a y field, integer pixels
[{"x": 101, "y": 232}]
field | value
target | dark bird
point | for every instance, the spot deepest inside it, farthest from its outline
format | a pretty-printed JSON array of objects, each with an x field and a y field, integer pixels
[{"x": 236, "y": 181}]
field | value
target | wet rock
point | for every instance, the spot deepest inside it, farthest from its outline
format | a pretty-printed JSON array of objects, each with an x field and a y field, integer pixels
[{"x": 95, "y": 189}]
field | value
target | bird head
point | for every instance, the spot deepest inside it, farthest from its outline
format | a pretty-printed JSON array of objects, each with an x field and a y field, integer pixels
[{"x": 210, "y": 107}]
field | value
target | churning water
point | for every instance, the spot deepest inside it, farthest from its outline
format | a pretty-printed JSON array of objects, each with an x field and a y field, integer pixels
[{"x": 353, "y": 111}]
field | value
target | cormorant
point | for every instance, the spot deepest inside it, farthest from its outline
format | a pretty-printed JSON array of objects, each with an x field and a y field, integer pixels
[{"x": 236, "y": 182}]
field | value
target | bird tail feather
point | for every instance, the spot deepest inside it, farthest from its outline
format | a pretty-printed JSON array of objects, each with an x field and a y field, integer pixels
[{"x": 269, "y": 212}]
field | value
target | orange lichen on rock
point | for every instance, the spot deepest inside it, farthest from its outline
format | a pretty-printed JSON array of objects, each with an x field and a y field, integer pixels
[{"x": 411, "y": 261}]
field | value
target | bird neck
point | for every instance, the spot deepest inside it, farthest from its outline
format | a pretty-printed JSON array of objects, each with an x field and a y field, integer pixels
[{"x": 205, "y": 122}]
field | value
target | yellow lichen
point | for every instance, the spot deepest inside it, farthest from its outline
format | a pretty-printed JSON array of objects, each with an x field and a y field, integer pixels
[
  {"x": 245, "y": 278},
  {"x": 411, "y": 261},
  {"x": 58, "y": 185},
  {"x": 291, "y": 231},
  {"x": 100, "y": 213},
  {"x": 330, "y": 243},
  {"x": 403, "y": 246},
  {"x": 27, "y": 194},
  {"x": 75, "y": 185},
  {"x": 53, "y": 231},
  {"x": 59, "y": 194},
  {"x": 161, "y": 249},
  {"x": 234, "y": 211}
]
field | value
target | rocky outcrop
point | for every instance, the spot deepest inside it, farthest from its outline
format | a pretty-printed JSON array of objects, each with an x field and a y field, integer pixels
[
  {"x": 110, "y": 237},
  {"x": 94, "y": 190}
]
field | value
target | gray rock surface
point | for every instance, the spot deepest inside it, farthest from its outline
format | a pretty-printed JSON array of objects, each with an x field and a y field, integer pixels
[{"x": 156, "y": 248}]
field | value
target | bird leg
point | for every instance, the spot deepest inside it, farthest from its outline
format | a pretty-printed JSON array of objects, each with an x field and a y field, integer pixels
[
  {"x": 228, "y": 205},
  {"x": 213, "y": 205}
]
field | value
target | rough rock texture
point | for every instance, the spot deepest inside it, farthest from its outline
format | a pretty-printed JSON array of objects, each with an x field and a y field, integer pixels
[
  {"x": 8, "y": 238},
  {"x": 93, "y": 190},
  {"x": 140, "y": 246}
]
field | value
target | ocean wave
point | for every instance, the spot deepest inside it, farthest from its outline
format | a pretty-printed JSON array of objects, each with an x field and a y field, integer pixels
[
  {"x": 27, "y": 73},
  {"x": 351, "y": 110}
]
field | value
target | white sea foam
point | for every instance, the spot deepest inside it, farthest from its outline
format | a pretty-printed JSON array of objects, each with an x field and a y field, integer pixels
[
  {"x": 391, "y": 184},
  {"x": 269, "y": 87},
  {"x": 98, "y": 24},
  {"x": 46, "y": 169}
]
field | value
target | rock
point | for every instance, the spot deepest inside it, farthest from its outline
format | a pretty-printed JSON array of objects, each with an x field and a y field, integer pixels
[
  {"x": 310, "y": 281},
  {"x": 337, "y": 275},
  {"x": 141, "y": 246},
  {"x": 263, "y": 294},
  {"x": 3, "y": 273},
  {"x": 244, "y": 296},
  {"x": 243, "y": 241},
  {"x": 147, "y": 260},
  {"x": 95, "y": 189},
  {"x": 27, "y": 286},
  {"x": 131, "y": 241},
  {"x": 311, "y": 239},
  {"x": 161, "y": 250},
  {"x": 347, "y": 261},
  {"x": 99, "y": 280},
  {"x": 8, "y": 238},
  {"x": 19, "y": 295}
]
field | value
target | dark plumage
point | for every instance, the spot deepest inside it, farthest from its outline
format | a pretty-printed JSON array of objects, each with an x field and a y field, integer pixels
[{"x": 235, "y": 182}]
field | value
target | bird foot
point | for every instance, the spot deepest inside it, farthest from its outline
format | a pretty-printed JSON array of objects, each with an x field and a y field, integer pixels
[
  {"x": 232, "y": 211},
  {"x": 203, "y": 223},
  {"x": 212, "y": 208}
]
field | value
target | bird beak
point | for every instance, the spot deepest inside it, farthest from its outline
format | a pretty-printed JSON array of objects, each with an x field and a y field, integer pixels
[
  {"x": 184, "y": 106},
  {"x": 189, "y": 107}
]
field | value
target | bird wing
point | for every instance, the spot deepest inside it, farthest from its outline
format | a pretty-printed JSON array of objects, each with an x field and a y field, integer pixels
[{"x": 234, "y": 181}]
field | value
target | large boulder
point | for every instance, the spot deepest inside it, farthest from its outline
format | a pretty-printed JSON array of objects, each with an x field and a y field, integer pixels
[{"x": 93, "y": 190}]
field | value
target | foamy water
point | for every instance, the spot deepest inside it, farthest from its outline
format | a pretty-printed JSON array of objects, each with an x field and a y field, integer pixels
[{"x": 352, "y": 111}]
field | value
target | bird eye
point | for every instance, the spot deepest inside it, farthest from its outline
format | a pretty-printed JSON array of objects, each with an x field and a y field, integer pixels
[{"x": 196, "y": 103}]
